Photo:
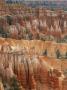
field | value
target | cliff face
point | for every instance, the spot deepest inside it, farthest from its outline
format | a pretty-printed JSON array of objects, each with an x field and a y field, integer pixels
[
  {"x": 32, "y": 72},
  {"x": 30, "y": 48},
  {"x": 24, "y": 60},
  {"x": 37, "y": 64}
]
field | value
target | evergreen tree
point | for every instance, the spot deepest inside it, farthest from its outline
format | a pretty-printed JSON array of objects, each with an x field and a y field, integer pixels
[
  {"x": 45, "y": 52},
  {"x": 2, "y": 32},
  {"x": 9, "y": 20},
  {"x": 66, "y": 56},
  {"x": 14, "y": 84},
  {"x": 58, "y": 54}
]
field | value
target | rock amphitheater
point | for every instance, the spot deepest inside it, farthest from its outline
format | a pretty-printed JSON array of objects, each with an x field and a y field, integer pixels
[{"x": 33, "y": 48}]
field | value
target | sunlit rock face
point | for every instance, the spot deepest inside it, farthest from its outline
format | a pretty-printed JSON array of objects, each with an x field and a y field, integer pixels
[
  {"x": 13, "y": 31},
  {"x": 56, "y": 25},
  {"x": 29, "y": 47},
  {"x": 1, "y": 86},
  {"x": 33, "y": 62},
  {"x": 31, "y": 71},
  {"x": 27, "y": 62}
]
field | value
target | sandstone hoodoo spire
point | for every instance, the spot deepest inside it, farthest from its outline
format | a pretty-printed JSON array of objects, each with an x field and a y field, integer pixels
[
  {"x": 33, "y": 46},
  {"x": 2, "y": 3},
  {"x": 51, "y": 29},
  {"x": 3, "y": 7}
]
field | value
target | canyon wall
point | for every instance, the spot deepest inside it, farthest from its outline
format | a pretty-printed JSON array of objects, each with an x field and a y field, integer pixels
[{"x": 35, "y": 46}]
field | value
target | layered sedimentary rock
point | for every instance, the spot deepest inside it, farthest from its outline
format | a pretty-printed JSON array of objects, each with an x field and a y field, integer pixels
[
  {"x": 30, "y": 48},
  {"x": 33, "y": 24},
  {"x": 33, "y": 70},
  {"x": 3, "y": 8}
]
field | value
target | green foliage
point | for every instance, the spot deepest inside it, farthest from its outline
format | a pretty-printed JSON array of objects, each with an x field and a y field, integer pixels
[
  {"x": 63, "y": 40},
  {"x": 2, "y": 32},
  {"x": 14, "y": 84},
  {"x": 9, "y": 20},
  {"x": 66, "y": 55},
  {"x": 45, "y": 52},
  {"x": 58, "y": 54},
  {"x": 26, "y": 18}
]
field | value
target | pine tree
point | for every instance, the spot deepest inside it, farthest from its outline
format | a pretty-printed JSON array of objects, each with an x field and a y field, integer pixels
[
  {"x": 45, "y": 52},
  {"x": 9, "y": 20},
  {"x": 58, "y": 54},
  {"x": 14, "y": 84},
  {"x": 66, "y": 56}
]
